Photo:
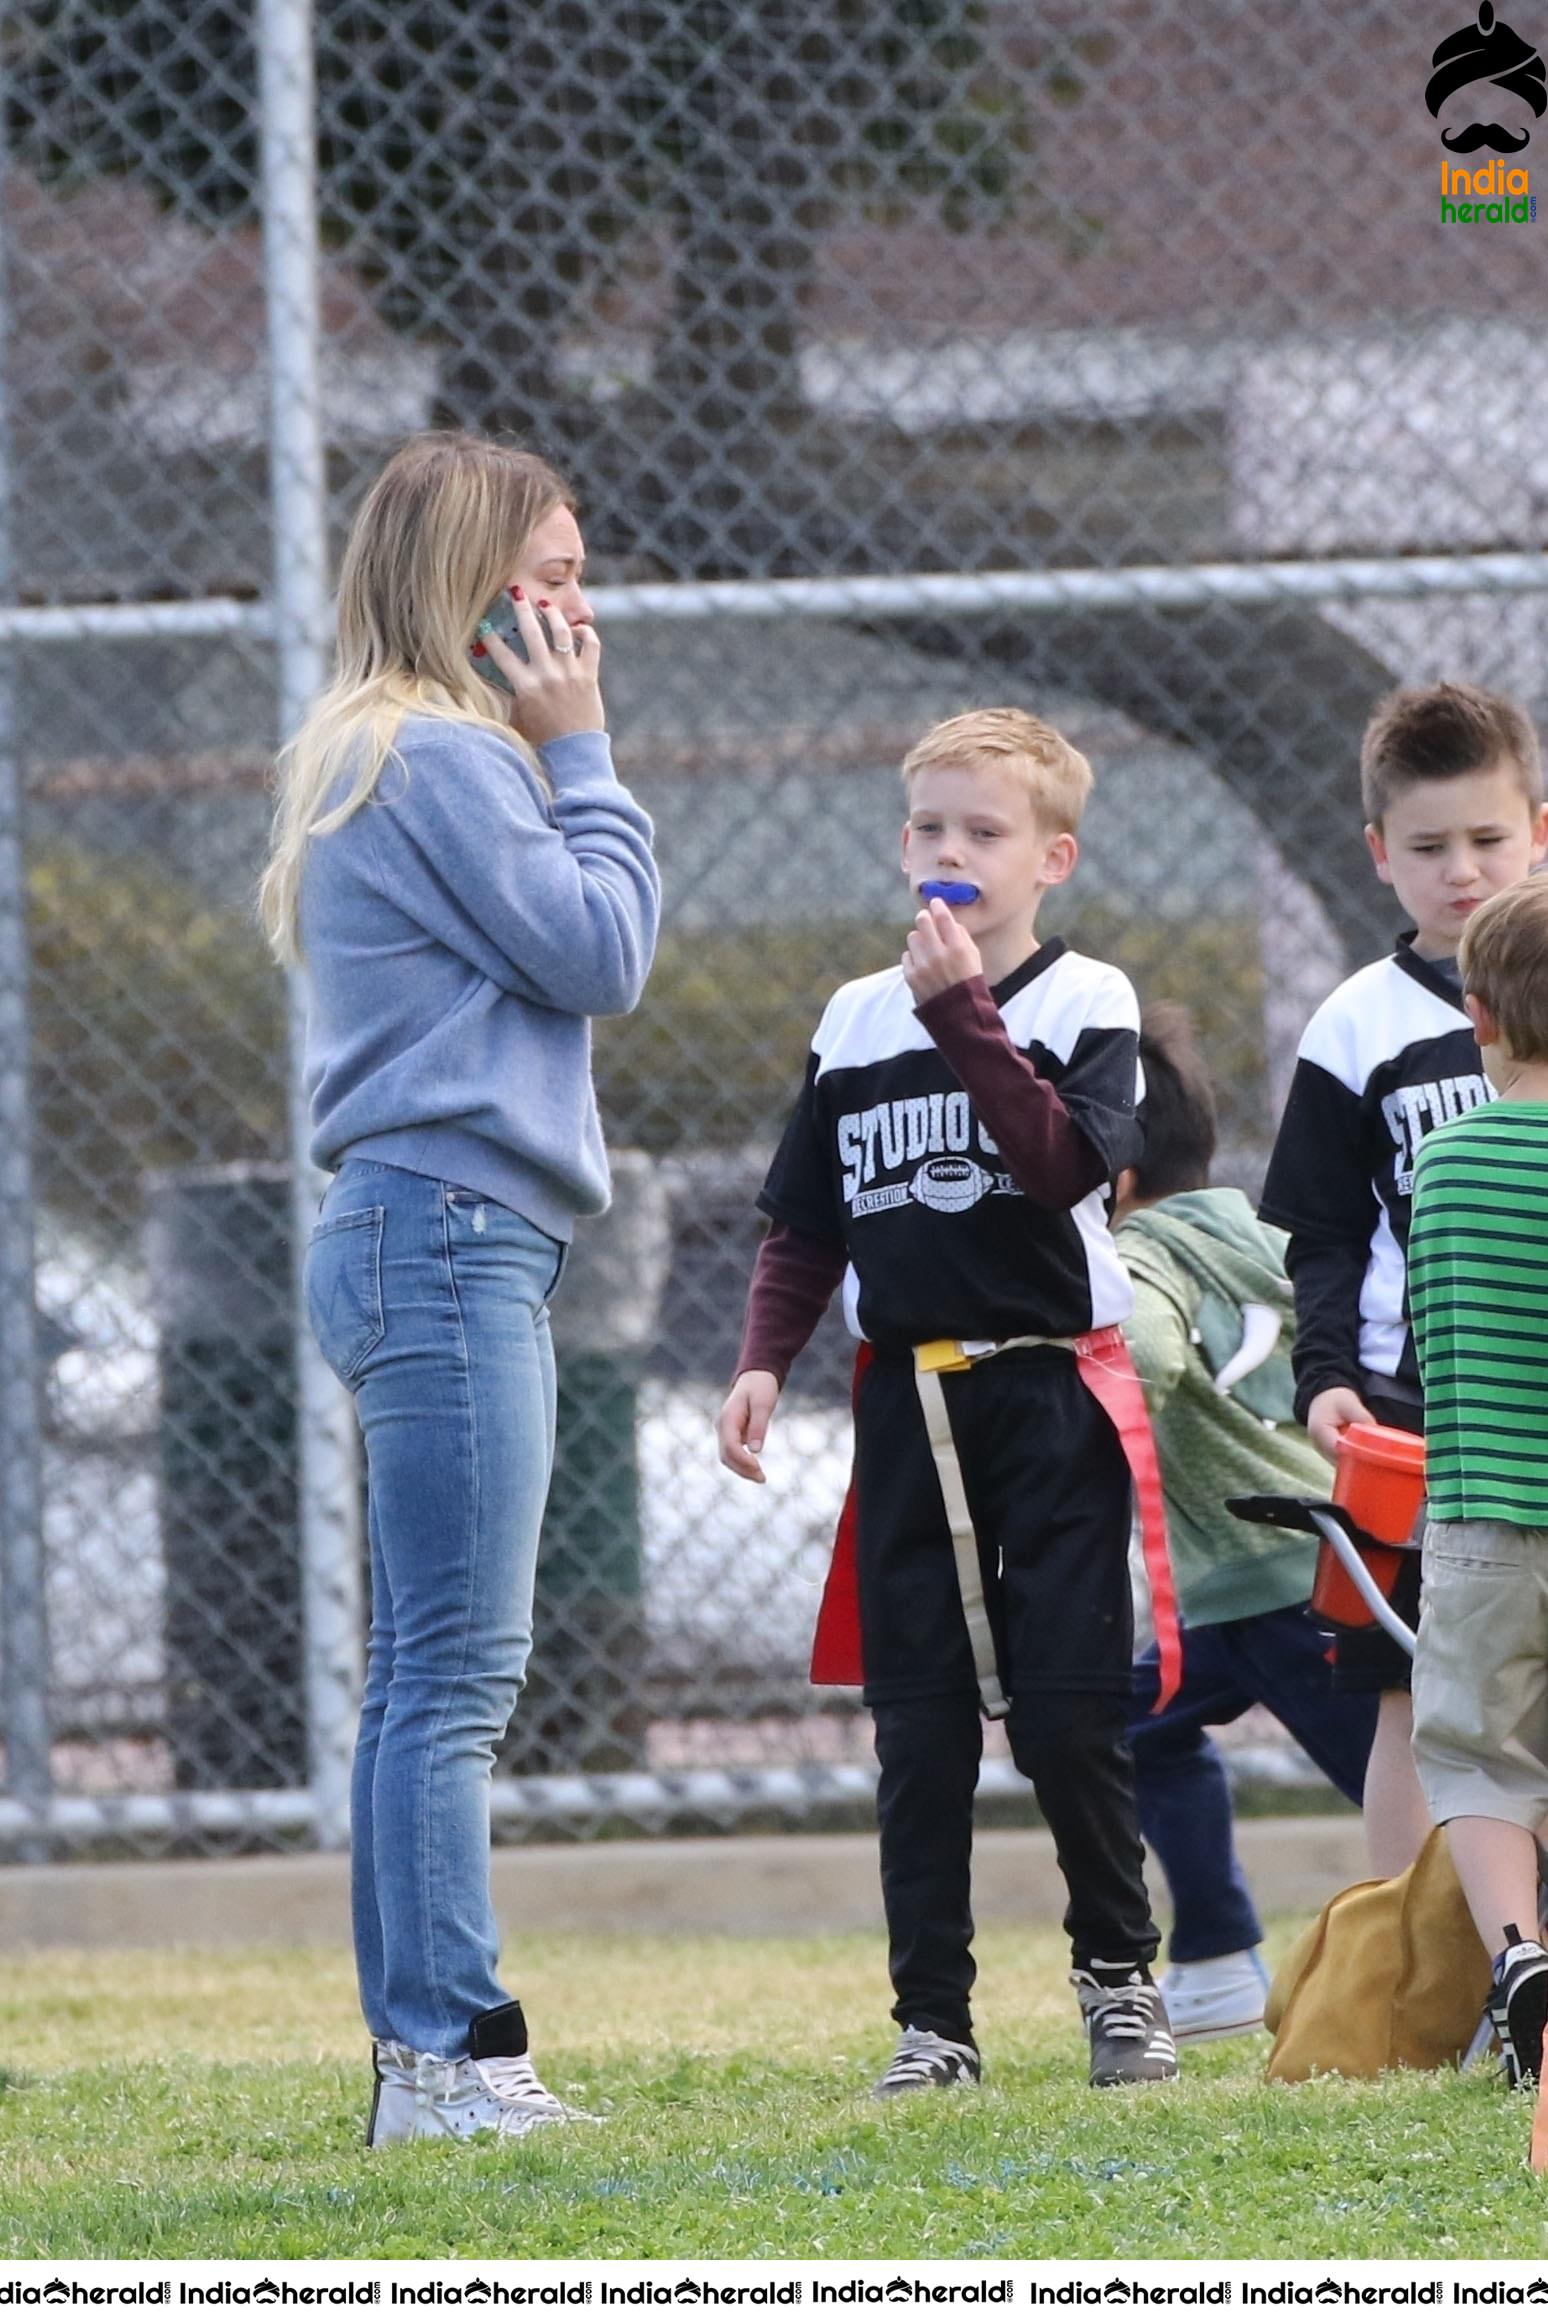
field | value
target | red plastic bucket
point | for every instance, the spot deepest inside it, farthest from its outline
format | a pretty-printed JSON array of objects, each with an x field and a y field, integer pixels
[
  {"x": 1379, "y": 1484},
  {"x": 1379, "y": 1480}
]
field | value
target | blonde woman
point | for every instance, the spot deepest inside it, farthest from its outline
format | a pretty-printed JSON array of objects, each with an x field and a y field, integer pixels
[{"x": 467, "y": 884}]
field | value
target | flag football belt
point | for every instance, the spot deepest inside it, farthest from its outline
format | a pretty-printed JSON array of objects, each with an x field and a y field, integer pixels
[{"x": 1107, "y": 1372}]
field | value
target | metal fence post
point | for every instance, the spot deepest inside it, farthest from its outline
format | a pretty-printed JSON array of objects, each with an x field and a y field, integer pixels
[
  {"x": 328, "y": 1453},
  {"x": 24, "y": 1658}
]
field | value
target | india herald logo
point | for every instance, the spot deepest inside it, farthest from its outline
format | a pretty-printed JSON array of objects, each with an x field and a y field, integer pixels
[{"x": 1487, "y": 51}]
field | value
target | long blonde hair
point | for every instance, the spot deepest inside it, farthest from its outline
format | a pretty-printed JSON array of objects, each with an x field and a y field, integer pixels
[{"x": 434, "y": 541}]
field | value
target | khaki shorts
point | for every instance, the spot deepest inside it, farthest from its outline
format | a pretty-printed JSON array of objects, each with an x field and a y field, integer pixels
[{"x": 1481, "y": 1672}]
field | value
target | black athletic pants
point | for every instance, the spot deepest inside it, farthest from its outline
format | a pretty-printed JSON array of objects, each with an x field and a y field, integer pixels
[{"x": 1048, "y": 1487}]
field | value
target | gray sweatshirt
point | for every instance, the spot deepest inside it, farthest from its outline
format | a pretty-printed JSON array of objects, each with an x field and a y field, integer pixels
[{"x": 459, "y": 932}]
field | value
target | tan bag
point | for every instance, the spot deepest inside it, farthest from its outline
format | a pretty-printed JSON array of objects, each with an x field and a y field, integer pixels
[{"x": 1392, "y": 1973}]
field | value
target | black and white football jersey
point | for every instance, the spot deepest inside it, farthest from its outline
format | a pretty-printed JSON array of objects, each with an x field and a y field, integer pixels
[
  {"x": 886, "y": 1153},
  {"x": 1385, "y": 1059}
]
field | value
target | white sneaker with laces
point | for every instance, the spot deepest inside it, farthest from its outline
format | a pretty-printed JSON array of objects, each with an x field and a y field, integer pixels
[
  {"x": 392, "y": 2067},
  {"x": 1216, "y": 1999},
  {"x": 928, "y": 2060},
  {"x": 458, "y": 2096}
]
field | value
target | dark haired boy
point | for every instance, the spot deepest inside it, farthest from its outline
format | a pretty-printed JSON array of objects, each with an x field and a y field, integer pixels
[
  {"x": 1210, "y": 1334},
  {"x": 1451, "y": 781}
]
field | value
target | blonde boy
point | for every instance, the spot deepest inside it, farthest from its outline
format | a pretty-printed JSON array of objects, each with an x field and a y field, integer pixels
[
  {"x": 951, "y": 1158},
  {"x": 1478, "y": 1283}
]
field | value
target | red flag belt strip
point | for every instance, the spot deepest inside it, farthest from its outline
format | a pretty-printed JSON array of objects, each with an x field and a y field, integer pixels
[{"x": 1107, "y": 1370}]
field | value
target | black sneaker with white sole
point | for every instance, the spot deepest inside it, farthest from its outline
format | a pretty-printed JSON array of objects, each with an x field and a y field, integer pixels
[
  {"x": 928, "y": 2060},
  {"x": 1518, "y": 2006},
  {"x": 1126, "y": 2021}
]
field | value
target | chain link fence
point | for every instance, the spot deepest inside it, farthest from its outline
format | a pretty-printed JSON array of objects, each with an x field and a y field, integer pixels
[{"x": 906, "y": 354}]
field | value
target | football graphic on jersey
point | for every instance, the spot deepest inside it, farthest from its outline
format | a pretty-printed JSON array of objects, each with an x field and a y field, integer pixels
[{"x": 949, "y": 1183}]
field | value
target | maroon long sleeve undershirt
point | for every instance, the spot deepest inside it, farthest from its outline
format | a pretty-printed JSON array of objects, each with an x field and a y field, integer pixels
[
  {"x": 1051, "y": 1158},
  {"x": 1048, "y": 1154},
  {"x": 793, "y": 1280}
]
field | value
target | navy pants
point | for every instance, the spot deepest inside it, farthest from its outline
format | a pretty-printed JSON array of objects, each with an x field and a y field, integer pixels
[{"x": 1278, "y": 1660}]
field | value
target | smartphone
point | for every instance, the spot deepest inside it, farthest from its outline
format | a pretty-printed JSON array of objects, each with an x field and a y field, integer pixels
[{"x": 500, "y": 621}]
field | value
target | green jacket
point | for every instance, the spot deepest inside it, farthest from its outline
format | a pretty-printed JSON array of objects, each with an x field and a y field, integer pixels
[{"x": 1211, "y": 1298}]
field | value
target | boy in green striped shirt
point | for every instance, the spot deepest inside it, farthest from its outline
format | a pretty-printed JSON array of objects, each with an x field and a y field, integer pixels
[{"x": 1478, "y": 1289}]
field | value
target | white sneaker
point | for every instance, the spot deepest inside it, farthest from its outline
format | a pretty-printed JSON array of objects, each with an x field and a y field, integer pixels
[
  {"x": 1216, "y": 1999},
  {"x": 392, "y": 2068},
  {"x": 928, "y": 2060},
  {"x": 440, "y": 2096}
]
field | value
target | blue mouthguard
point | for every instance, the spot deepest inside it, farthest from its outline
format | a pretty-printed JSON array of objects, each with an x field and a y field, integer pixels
[{"x": 948, "y": 891}]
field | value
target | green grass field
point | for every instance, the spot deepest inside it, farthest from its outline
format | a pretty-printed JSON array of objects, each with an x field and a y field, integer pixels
[{"x": 211, "y": 2105}]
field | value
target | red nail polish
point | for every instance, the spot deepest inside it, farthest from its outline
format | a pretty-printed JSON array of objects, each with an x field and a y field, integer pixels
[
  {"x": 478, "y": 652},
  {"x": 516, "y": 593},
  {"x": 543, "y": 603}
]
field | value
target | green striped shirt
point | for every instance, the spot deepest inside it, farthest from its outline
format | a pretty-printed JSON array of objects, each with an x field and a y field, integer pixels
[{"x": 1478, "y": 1293}]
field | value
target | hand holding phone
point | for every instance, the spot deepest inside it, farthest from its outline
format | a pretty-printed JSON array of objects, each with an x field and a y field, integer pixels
[
  {"x": 552, "y": 674},
  {"x": 500, "y": 621}
]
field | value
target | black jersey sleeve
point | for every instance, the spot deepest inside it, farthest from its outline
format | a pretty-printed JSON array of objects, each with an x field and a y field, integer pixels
[
  {"x": 1319, "y": 1187},
  {"x": 1100, "y": 1087},
  {"x": 799, "y": 1189},
  {"x": 1328, "y": 1277},
  {"x": 1319, "y": 1180}
]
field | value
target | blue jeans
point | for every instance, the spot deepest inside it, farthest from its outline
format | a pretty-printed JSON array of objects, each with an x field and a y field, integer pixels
[
  {"x": 430, "y": 1304},
  {"x": 1277, "y": 1659}
]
